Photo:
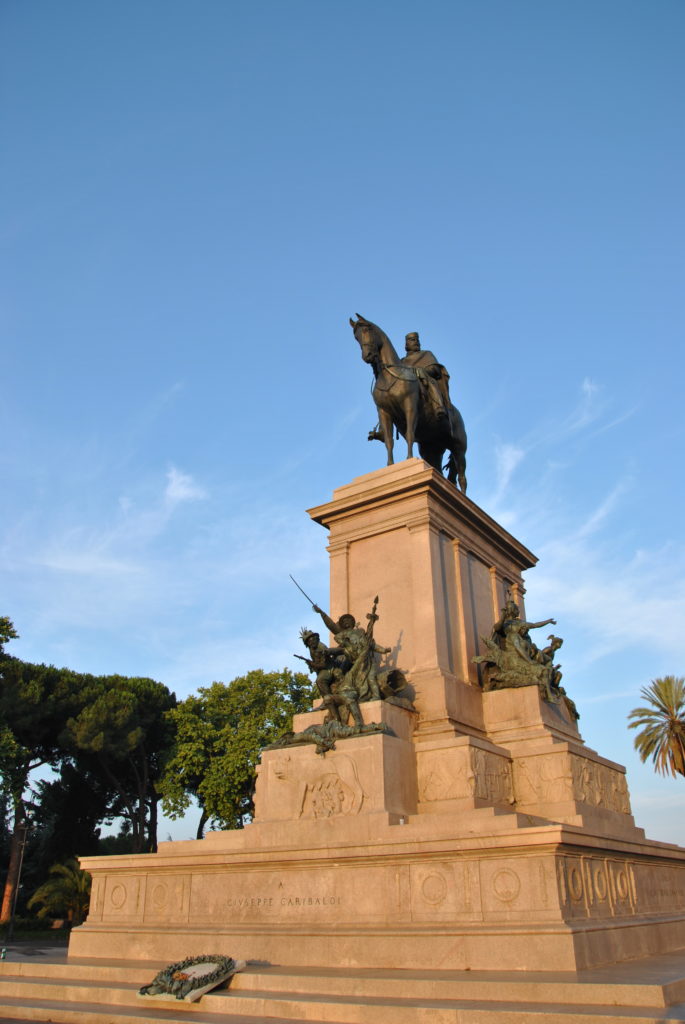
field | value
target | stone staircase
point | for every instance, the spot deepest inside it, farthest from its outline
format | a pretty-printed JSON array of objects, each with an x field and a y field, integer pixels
[{"x": 87, "y": 991}]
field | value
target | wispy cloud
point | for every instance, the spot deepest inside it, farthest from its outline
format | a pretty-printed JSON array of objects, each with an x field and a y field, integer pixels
[
  {"x": 604, "y": 698},
  {"x": 85, "y": 562},
  {"x": 619, "y": 602},
  {"x": 181, "y": 487},
  {"x": 507, "y": 456},
  {"x": 609, "y": 504},
  {"x": 589, "y": 407},
  {"x": 545, "y": 440}
]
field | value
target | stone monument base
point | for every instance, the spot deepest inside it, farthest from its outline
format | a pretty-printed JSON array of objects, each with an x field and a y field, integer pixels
[
  {"x": 481, "y": 890},
  {"x": 341, "y": 869},
  {"x": 477, "y": 833}
]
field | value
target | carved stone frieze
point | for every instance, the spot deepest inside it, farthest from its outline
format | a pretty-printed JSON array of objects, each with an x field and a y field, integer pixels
[
  {"x": 491, "y": 777},
  {"x": 542, "y": 779},
  {"x": 313, "y": 790},
  {"x": 599, "y": 785},
  {"x": 467, "y": 773},
  {"x": 597, "y": 887}
]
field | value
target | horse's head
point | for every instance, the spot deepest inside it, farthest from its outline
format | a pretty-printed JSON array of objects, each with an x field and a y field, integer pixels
[{"x": 368, "y": 336}]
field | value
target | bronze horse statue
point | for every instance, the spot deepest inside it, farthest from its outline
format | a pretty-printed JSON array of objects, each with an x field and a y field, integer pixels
[{"x": 398, "y": 394}]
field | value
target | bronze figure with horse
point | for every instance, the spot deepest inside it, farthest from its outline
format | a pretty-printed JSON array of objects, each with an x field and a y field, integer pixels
[{"x": 407, "y": 400}]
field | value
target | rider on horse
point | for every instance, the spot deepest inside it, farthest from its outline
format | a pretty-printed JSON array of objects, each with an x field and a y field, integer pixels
[{"x": 433, "y": 376}]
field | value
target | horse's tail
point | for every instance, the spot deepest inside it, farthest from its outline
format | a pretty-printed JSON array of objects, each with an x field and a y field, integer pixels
[
  {"x": 456, "y": 471},
  {"x": 451, "y": 468}
]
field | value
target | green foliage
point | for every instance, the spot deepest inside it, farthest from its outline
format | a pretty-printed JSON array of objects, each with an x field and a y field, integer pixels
[
  {"x": 65, "y": 894},
  {"x": 122, "y": 734},
  {"x": 7, "y": 632},
  {"x": 219, "y": 734},
  {"x": 121, "y": 843},
  {"x": 67, "y": 814},
  {"x": 662, "y": 725},
  {"x": 107, "y": 736},
  {"x": 35, "y": 701}
]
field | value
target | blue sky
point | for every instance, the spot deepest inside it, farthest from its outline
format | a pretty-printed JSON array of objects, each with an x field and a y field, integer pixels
[{"x": 195, "y": 198}]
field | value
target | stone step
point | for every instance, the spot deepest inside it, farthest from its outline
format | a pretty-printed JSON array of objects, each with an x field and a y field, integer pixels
[
  {"x": 269, "y": 1009},
  {"x": 624, "y": 985},
  {"x": 85, "y": 968},
  {"x": 375, "y": 1010},
  {"x": 471, "y": 985},
  {"x": 86, "y": 991},
  {"x": 14, "y": 1011},
  {"x": 118, "y": 993}
]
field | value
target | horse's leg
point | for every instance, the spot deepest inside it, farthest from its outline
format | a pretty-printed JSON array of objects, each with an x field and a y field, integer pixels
[
  {"x": 461, "y": 471},
  {"x": 387, "y": 430},
  {"x": 431, "y": 455},
  {"x": 456, "y": 465},
  {"x": 457, "y": 447}
]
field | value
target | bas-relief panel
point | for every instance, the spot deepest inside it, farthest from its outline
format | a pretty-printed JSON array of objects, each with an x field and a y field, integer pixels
[
  {"x": 553, "y": 778},
  {"x": 300, "y": 788},
  {"x": 599, "y": 785},
  {"x": 545, "y": 778},
  {"x": 467, "y": 773}
]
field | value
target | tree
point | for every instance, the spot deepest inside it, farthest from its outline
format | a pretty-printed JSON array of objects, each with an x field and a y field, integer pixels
[
  {"x": 67, "y": 814},
  {"x": 65, "y": 894},
  {"x": 662, "y": 725},
  {"x": 219, "y": 734},
  {"x": 113, "y": 734},
  {"x": 7, "y": 632},
  {"x": 121, "y": 732},
  {"x": 35, "y": 702}
]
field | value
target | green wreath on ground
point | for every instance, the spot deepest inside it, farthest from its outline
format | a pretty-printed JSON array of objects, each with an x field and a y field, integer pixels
[{"x": 180, "y": 979}]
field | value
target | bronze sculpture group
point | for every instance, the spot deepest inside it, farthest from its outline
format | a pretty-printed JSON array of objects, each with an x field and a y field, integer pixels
[
  {"x": 412, "y": 397},
  {"x": 513, "y": 659},
  {"x": 347, "y": 675}
]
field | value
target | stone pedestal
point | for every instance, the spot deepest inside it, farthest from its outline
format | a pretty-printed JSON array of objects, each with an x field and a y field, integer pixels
[
  {"x": 367, "y": 774},
  {"x": 554, "y": 775},
  {"x": 441, "y": 568},
  {"x": 482, "y": 833}
]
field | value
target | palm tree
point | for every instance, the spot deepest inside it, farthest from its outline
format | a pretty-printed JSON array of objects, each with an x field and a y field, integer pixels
[
  {"x": 663, "y": 725},
  {"x": 66, "y": 894}
]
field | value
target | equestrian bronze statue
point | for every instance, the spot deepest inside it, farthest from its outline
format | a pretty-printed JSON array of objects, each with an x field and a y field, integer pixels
[{"x": 412, "y": 396}]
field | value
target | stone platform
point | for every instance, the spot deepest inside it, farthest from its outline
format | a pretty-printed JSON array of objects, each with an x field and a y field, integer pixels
[{"x": 480, "y": 832}]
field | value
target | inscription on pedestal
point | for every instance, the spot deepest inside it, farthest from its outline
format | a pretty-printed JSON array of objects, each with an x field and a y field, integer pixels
[{"x": 271, "y": 902}]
